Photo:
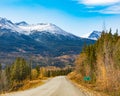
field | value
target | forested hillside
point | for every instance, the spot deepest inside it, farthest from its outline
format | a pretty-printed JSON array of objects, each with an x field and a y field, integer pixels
[{"x": 98, "y": 66}]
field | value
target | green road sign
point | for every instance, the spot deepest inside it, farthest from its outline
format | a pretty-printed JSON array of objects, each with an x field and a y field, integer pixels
[{"x": 87, "y": 78}]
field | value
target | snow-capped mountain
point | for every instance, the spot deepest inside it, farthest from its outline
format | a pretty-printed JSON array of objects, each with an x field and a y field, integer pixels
[
  {"x": 48, "y": 31},
  {"x": 44, "y": 27},
  {"x": 28, "y": 29},
  {"x": 43, "y": 38},
  {"x": 22, "y": 23},
  {"x": 95, "y": 35},
  {"x": 7, "y": 24}
]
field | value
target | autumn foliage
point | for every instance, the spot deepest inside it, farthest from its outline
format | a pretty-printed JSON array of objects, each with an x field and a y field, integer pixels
[{"x": 101, "y": 62}]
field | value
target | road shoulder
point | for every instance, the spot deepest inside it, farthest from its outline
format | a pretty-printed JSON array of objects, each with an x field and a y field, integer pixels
[{"x": 86, "y": 91}]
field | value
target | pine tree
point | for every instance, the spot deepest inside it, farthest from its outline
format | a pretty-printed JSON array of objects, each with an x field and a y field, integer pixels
[
  {"x": 20, "y": 70},
  {"x": 38, "y": 70},
  {"x": 8, "y": 74}
]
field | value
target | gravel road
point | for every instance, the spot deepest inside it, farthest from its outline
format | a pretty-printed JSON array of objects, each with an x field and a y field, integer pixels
[{"x": 58, "y": 86}]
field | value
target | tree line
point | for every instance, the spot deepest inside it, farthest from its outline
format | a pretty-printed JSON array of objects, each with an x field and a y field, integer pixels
[
  {"x": 101, "y": 63},
  {"x": 13, "y": 76}
]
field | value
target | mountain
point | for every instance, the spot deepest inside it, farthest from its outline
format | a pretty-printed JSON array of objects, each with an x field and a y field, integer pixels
[
  {"x": 22, "y": 23},
  {"x": 45, "y": 29},
  {"x": 95, "y": 35},
  {"x": 8, "y": 25},
  {"x": 43, "y": 39}
]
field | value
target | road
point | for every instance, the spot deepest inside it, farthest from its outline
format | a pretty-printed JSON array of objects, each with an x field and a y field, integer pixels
[{"x": 58, "y": 86}]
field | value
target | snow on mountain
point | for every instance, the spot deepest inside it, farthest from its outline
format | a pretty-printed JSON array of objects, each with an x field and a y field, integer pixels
[
  {"x": 22, "y": 23},
  {"x": 25, "y": 28},
  {"x": 44, "y": 38},
  {"x": 7, "y": 24},
  {"x": 44, "y": 27},
  {"x": 95, "y": 35},
  {"x": 29, "y": 29}
]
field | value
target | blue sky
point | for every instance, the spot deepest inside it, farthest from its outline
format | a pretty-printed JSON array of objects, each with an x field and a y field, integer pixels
[{"x": 79, "y": 17}]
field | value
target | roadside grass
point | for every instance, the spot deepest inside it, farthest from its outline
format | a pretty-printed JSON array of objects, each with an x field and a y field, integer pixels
[
  {"x": 113, "y": 93},
  {"x": 30, "y": 84},
  {"x": 27, "y": 84},
  {"x": 87, "y": 88}
]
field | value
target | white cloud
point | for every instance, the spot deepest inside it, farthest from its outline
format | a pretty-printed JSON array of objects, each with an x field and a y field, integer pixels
[
  {"x": 98, "y": 2},
  {"x": 111, "y": 6},
  {"x": 115, "y": 9}
]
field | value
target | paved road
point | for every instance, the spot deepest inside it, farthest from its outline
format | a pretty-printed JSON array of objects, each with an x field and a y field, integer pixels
[{"x": 58, "y": 86}]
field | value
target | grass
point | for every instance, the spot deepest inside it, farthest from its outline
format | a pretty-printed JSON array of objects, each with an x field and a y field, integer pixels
[
  {"x": 27, "y": 84},
  {"x": 31, "y": 84},
  {"x": 92, "y": 87},
  {"x": 85, "y": 87}
]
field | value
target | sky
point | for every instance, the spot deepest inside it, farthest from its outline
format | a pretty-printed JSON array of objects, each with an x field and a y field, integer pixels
[{"x": 79, "y": 17}]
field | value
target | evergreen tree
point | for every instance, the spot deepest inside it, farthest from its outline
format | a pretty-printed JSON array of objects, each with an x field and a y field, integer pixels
[
  {"x": 8, "y": 75},
  {"x": 38, "y": 70},
  {"x": 20, "y": 70}
]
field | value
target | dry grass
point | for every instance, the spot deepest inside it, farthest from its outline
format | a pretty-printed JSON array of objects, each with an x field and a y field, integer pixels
[
  {"x": 88, "y": 89},
  {"x": 31, "y": 84}
]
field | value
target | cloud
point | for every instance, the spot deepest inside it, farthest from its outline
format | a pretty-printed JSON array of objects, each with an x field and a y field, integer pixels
[
  {"x": 97, "y": 2},
  {"x": 115, "y": 9},
  {"x": 102, "y": 6}
]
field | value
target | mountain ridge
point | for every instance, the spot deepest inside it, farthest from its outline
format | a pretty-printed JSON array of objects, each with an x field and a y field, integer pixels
[
  {"x": 45, "y": 43},
  {"x": 95, "y": 35},
  {"x": 43, "y": 34}
]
